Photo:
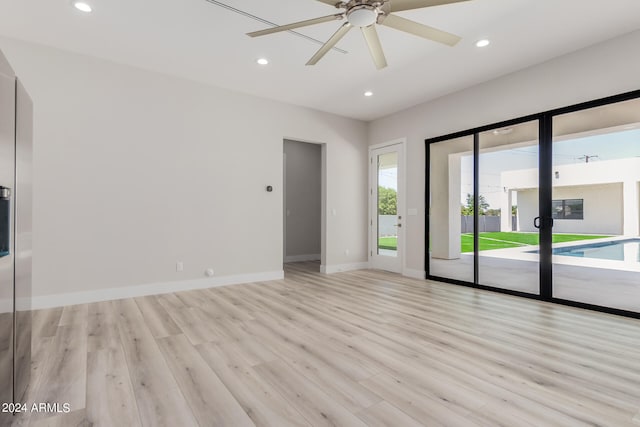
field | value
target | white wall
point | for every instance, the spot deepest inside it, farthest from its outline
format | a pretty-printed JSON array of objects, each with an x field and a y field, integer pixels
[
  {"x": 605, "y": 69},
  {"x": 609, "y": 189},
  {"x": 603, "y": 209},
  {"x": 135, "y": 170},
  {"x": 303, "y": 188}
]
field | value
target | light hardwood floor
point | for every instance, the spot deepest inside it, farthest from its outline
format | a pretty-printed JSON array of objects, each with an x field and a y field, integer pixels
[{"x": 349, "y": 349}]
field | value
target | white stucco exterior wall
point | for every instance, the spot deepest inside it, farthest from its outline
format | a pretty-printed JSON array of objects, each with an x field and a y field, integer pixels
[{"x": 609, "y": 190}]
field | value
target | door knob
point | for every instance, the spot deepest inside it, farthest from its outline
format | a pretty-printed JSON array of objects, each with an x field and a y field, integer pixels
[{"x": 540, "y": 222}]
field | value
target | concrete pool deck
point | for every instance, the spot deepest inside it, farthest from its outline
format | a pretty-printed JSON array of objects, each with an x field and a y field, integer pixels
[{"x": 607, "y": 283}]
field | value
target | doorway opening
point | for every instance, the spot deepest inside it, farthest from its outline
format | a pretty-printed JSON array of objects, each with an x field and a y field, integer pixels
[{"x": 303, "y": 205}]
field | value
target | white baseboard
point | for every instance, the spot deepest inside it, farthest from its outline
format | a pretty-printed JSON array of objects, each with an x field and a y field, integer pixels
[
  {"x": 416, "y": 274},
  {"x": 329, "y": 269},
  {"x": 72, "y": 298},
  {"x": 299, "y": 258}
]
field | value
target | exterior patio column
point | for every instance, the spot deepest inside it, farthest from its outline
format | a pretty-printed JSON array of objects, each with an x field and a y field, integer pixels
[
  {"x": 445, "y": 204},
  {"x": 505, "y": 209},
  {"x": 454, "y": 220},
  {"x": 631, "y": 197}
]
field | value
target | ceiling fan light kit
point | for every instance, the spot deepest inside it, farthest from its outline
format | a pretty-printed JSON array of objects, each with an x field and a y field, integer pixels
[
  {"x": 366, "y": 14},
  {"x": 362, "y": 15}
]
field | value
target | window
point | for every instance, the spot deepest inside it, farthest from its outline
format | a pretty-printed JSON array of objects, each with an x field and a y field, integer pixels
[{"x": 568, "y": 209}]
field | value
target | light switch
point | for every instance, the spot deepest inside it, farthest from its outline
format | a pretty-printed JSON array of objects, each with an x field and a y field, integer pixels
[{"x": 412, "y": 211}]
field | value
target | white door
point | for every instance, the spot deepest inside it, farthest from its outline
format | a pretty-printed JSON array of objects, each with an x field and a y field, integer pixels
[{"x": 386, "y": 195}]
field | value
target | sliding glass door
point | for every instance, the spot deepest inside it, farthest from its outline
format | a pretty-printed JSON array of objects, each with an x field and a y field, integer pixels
[
  {"x": 473, "y": 208},
  {"x": 507, "y": 205},
  {"x": 596, "y": 205},
  {"x": 546, "y": 206}
]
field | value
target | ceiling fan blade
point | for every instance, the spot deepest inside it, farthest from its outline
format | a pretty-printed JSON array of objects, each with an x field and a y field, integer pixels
[
  {"x": 420, "y": 30},
  {"x": 398, "y": 5},
  {"x": 335, "y": 38},
  {"x": 300, "y": 24},
  {"x": 330, "y": 2},
  {"x": 375, "y": 48}
]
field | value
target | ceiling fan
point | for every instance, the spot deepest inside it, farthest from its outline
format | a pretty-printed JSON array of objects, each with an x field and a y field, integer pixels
[{"x": 365, "y": 14}]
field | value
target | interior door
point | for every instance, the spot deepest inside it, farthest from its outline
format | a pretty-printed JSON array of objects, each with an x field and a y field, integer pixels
[{"x": 386, "y": 221}]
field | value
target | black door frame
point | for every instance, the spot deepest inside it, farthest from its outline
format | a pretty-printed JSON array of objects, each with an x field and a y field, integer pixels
[{"x": 545, "y": 122}]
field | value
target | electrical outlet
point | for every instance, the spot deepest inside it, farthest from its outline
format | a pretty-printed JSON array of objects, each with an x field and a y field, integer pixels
[{"x": 179, "y": 266}]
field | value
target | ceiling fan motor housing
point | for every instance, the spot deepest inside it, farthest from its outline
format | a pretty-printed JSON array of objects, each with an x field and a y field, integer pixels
[{"x": 362, "y": 15}]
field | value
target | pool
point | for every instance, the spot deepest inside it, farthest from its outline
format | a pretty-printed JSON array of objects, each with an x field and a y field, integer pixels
[{"x": 627, "y": 250}]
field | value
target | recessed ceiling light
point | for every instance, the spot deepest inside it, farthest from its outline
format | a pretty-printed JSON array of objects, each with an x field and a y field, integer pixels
[
  {"x": 483, "y": 43},
  {"x": 82, "y": 6},
  {"x": 368, "y": 93},
  {"x": 263, "y": 61}
]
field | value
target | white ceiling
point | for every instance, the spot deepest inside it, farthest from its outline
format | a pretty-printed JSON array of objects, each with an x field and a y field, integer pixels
[{"x": 203, "y": 42}]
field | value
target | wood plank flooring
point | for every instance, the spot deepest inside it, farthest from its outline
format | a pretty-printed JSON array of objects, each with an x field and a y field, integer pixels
[{"x": 363, "y": 348}]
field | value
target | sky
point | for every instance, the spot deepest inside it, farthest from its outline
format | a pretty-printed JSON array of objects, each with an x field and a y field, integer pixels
[
  {"x": 388, "y": 178},
  {"x": 388, "y": 171},
  {"x": 610, "y": 146}
]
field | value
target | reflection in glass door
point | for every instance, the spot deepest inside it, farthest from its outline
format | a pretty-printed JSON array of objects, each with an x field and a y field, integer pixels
[
  {"x": 596, "y": 204},
  {"x": 386, "y": 208},
  {"x": 507, "y": 208}
]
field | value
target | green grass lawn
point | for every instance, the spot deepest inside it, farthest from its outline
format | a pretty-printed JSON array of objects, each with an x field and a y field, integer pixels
[
  {"x": 502, "y": 240},
  {"x": 390, "y": 243}
]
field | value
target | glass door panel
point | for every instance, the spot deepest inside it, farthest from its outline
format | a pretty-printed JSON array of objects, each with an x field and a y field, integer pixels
[
  {"x": 596, "y": 204},
  {"x": 387, "y": 211},
  {"x": 451, "y": 245},
  {"x": 387, "y": 186},
  {"x": 507, "y": 208}
]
